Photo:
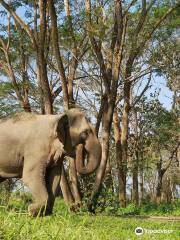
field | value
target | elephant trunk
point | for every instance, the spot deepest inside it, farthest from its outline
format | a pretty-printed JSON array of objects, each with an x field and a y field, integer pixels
[{"x": 93, "y": 151}]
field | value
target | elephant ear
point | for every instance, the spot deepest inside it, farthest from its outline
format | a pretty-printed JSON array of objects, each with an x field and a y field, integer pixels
[{"x": 62, "y": 127}]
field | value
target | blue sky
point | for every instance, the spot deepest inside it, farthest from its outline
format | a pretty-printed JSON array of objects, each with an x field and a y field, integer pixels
[{"x": 165, "y": 94}]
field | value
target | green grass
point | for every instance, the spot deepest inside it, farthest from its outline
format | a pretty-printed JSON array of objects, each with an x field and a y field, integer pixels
[{"x": 16, "y": 224}]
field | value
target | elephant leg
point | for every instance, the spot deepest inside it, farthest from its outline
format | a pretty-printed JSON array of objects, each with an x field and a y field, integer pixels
[
  {"x": 34, "y": 178},
  {"x": 52, "y": 182}
]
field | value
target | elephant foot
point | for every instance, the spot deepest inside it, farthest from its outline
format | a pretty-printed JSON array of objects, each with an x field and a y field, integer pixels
[{"x": 37, "y": 210}]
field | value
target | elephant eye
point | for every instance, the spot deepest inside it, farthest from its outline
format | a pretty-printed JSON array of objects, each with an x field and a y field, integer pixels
[{"x": 84, "y": 135}]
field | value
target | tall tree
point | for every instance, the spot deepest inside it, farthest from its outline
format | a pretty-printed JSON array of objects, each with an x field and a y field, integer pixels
[{"x": 109, "y": 56}]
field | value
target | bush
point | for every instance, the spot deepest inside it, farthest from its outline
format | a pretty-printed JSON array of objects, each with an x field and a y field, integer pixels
[
  {"x": 131, "y": 209},
  {"x": 161, "y": 209}
]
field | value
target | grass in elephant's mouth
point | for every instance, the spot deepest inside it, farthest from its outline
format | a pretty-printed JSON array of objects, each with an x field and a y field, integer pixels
[{"x": 65, "y": 226}]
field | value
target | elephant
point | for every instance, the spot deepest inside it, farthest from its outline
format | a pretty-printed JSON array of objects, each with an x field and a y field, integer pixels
[{"x": 32, "y": 147}]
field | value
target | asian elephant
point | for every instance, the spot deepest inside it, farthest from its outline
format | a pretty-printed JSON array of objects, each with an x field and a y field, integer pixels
[{"x": 32, "y": 147}]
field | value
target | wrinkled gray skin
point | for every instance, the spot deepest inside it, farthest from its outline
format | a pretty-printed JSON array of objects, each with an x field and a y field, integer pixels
[{"x": 32, "y": 147}]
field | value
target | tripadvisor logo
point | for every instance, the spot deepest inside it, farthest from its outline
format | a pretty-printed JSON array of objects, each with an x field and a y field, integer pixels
[{"x": 139, "y": 231}]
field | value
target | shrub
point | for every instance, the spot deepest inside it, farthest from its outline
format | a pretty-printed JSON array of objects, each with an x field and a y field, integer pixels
[{"x": 131, "y": 209}]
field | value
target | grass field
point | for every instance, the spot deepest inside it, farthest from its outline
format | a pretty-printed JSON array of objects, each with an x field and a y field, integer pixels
[{"x": 16, "y": 224}]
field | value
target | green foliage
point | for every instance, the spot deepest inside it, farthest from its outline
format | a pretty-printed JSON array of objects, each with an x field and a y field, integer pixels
[
  {"x": 163, "y": 209},
  {"x": 8, "y": 103},
  {"x": 108, "y": 204},
  {"x": 5, "y": 89},
  {"x": 159, "y": 127},
  {"x": 131, "y": 209}
]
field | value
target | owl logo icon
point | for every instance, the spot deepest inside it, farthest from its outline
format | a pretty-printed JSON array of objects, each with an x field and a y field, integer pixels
[{"x": 139, "y": 231}]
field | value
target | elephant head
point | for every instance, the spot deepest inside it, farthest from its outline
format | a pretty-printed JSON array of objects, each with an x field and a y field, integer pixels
[{"x": 76, "y": 133}]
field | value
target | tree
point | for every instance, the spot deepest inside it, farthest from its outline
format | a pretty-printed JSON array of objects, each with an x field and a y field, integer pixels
[
  {"x": 109, "y": 54},
  {"x": 156, "y": 135}
]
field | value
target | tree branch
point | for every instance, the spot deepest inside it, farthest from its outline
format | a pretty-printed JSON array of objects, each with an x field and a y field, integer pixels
[
  {"x": 157, "y": 25},
  {"x": 96, "y": 49},
  {"x": 57, "y": 53},
  {"x": 20, "y": 21},
  {"x": 143, "y": 91}
]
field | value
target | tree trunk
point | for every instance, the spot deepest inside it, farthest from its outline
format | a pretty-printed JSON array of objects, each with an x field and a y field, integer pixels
[
  {"x": 66, "y": 191},
  {"x": 41, "y": 60},
  {"x": 141, "y": 186},
  {"x": 110, "y": 74},
  {"x": 44, "y": 84},
  {"x": 74, "y": 59},
  {"x": 66, "y": 96},
  {"x": 74, "y": 181},
  {"x": 122, "y": 189},
  {"x": 159, "y": 187},
  {"x": 124, "y": 143},
  {"x": 121, "y": 177},
  {"x": 106, "y": 127},
  {"x": 57, "y": 54},
  {"x": 135, "y": 162},
  {"x": 135, "y": 194},
  {"x": 160, "y": 172}
]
